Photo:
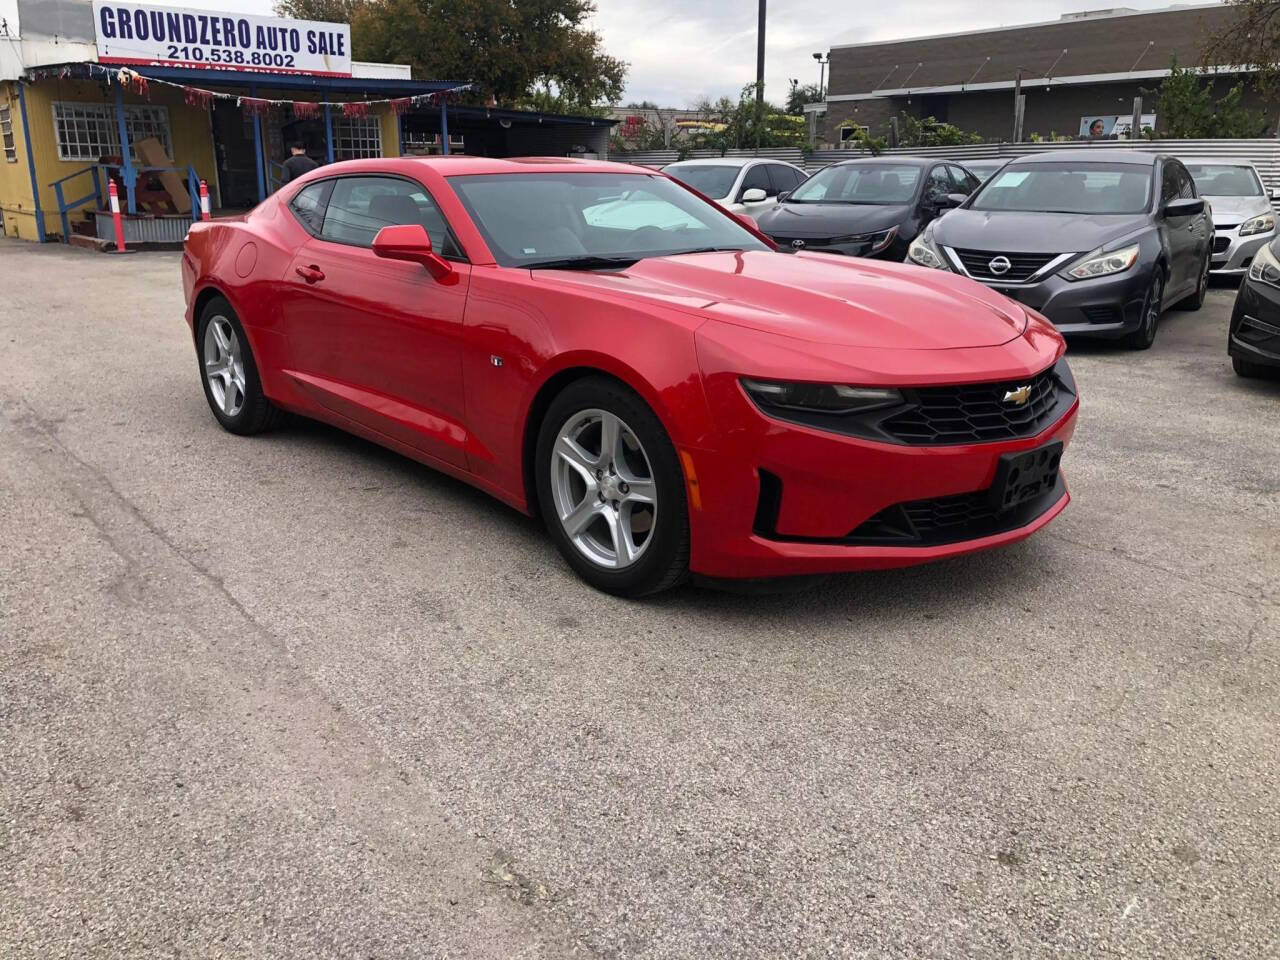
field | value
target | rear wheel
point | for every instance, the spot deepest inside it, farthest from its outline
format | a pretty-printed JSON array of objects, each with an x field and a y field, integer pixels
[
  {"x": 1152, "y": 304},
  {"x": 229, "y": 373},
  {"x": 611, "y": 489},
  {"x": 1196, "y": 300}
]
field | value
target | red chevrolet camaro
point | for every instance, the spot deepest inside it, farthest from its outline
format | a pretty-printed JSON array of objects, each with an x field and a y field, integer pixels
[{"x": 599, "y": 344}]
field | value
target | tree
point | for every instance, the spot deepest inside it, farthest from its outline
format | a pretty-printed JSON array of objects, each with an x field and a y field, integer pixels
[
  {"x": 1250, "y": 40},
  {"x": 931, "y": 133},
  {"x": 800, "y": 95},
  {"x": 514, "y": 50},
  {"x": 1189, "y": 110}
]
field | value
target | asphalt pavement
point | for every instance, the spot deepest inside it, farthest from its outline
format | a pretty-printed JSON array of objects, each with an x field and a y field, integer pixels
[{"x": 295, "y": 696}]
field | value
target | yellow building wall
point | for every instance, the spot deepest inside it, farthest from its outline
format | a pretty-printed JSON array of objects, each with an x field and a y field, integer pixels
[
  {"x": 15, "y": 178},
  {"x": 189, "y": 132}
]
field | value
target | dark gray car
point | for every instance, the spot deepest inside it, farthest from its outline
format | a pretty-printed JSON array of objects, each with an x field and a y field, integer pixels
[{"x": 1099, "y": 242}]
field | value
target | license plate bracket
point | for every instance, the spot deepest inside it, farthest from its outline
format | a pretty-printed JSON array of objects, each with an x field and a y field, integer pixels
[{"x": 1024, "y": 476}]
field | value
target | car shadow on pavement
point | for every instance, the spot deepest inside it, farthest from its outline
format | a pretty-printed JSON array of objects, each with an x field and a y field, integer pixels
[{"x": 992, "y": 573}]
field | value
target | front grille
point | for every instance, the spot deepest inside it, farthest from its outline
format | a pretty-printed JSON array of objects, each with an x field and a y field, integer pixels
[
  {"x": 978, "y": 413},
  {"x": 1101, "y": 314},
  {"x": 966, "y": 516},
  {"x": 818, "y": 243},
  {"x": 1022, "y": 266},
  {"x": 1220, "y": 244}
]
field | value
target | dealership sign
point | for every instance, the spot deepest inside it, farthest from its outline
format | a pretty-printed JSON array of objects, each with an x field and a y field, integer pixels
[{"x": 177, "y": 37}]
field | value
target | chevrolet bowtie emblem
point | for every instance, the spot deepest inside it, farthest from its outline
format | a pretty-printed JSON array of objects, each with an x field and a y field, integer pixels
[{"x": 1019, "y": 396}]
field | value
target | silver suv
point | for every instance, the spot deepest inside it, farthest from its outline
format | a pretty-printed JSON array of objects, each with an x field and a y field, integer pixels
[{"x": 1243, "y": 220}]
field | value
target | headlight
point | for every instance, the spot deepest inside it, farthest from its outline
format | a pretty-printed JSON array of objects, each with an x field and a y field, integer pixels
[
  {"x": 925, "y": 254},
  {"x": 1101, "y": 264},
  {"x": 1265, "y": 267},
  {"x": 819, "y": 397},
  {"x": 1262, "y": 224}
]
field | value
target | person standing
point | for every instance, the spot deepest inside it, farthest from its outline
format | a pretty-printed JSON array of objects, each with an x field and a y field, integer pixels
[{"x": 298, "y": 162}]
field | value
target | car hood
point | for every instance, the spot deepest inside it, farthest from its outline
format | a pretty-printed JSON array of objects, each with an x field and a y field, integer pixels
[
  {"x": 817, "y": 297},
  {"x": 830, "y": 219},
  {"x": 1231, "y": 211},
  {"x": 1003, "y": 231}
]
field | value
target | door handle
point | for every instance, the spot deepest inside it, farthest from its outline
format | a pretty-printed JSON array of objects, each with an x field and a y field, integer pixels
[{"x": 311, "y": 274}]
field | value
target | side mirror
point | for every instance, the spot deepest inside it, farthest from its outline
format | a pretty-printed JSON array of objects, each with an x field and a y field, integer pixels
[
  {"x": 754, "y": 195},
  {"x": 746, "y": 220},
  {"x": 410, "y": 242},
  {"x": 1275, "y": 194},
  {"x": 1187, "y": 207},
  {"x": 953, "y": 200}
]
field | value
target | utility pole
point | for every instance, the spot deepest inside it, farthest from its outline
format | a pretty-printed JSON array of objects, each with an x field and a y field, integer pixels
[
  {"x": 760, "y": 75},
  {"x": 822, "y": 74},
  {"x": 1017, "y": 106}
]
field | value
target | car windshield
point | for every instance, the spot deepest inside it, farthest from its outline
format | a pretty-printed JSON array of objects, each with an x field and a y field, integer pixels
[
  {"x": 1224, "y": 180},
  {"x": 1066, "y": 187},
  {"x": 859, "y": 183},
  {"x": 594, "y": 219},
  {"x": 710, "y": 181}
]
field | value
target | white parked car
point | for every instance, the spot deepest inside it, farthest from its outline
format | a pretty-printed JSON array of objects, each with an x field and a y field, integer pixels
[
  {"x": 1243, "y": 220},
  {"x": 747, "y": 185}
]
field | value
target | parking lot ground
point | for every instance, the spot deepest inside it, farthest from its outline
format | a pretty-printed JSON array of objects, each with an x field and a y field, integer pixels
[{"x": 296, "y": 696}]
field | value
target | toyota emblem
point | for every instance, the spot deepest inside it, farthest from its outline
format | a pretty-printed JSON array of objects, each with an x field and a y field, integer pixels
[
  {"x": 797, "y": 244},
  {"x": 999, "y": 266}
]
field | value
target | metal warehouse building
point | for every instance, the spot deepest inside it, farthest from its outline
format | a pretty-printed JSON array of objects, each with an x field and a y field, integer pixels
[
  {"x": 157, "y": 99},
  {"x": 1074, "y": 71}
]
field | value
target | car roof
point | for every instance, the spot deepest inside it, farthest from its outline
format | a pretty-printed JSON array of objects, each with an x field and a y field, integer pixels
[
  {"x": 1136, "y": 157},
  {"x": 900, "y": 161},
  {"x": 463, "y": 165},
  {"x": 1218, "y": 161},
  {"x": 727, "y": 162}
]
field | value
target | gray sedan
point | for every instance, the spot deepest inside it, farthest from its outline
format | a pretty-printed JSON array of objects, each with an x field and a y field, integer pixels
[{"x": 1243, "y": 220}]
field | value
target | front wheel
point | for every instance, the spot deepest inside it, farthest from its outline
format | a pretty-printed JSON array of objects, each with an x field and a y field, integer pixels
[
  {"x": 611, "y": 490},
  {"x": 1247, "y": 368},
  {"x": 1152, "y": 304}
]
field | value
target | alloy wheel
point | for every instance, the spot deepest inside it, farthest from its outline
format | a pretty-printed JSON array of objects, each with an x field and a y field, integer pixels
[
  {"x": 603, "y": 486},
  {"x": 1151, "y": 314},
  {"x": 224, "y": 365}
]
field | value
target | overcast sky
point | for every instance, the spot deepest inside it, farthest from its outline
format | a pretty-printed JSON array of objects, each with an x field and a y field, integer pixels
[{"x": 681, "y": 50}]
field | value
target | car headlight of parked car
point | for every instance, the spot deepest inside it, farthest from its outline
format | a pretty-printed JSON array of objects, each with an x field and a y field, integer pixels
[
  {"x": 1260, "y": 224},
  {"x": 923, "y": 252},
  {"x": 1097, "y": 264},
  {"x": 1265, "y": 267},
  {"x": 819, "y": 397}
]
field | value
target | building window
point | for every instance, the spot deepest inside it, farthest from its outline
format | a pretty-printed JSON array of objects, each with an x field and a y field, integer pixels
[
  {"x": 6, "y": 134},
  {"x": 87, "y": 131},
  {"x": 355, "y": 138}
]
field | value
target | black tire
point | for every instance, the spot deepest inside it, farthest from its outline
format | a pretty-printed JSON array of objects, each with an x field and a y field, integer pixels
[
  {"x": 664, "y": 561},
  {"x": 1152, "y": 305},
  {"x": 1248, "y": 369},
  {"x": 1196, "y": 300},
  {"x": 256, "y": 413}
]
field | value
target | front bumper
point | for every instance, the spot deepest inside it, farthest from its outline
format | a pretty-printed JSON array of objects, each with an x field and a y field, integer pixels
[
  {"x": 1102, "y": 307},
  {"x": 1232, "y": 253},
  {"x": 1255, "y": 324},
  {"x": 788, "y": 499}
]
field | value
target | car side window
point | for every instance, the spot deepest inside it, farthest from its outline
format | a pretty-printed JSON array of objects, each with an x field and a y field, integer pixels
[
  {"x": 757, "y": 178},
  {"x": 1186, "y": 186},
  {"x": 359, "y": 207},
  {"x": 966, "y": 182},
  {"x": 785, "y": 179},
  {"x": 308, "y": 204},
  {"x": 1169, "y": 187},
  {"x": 938, "y": 185}
]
